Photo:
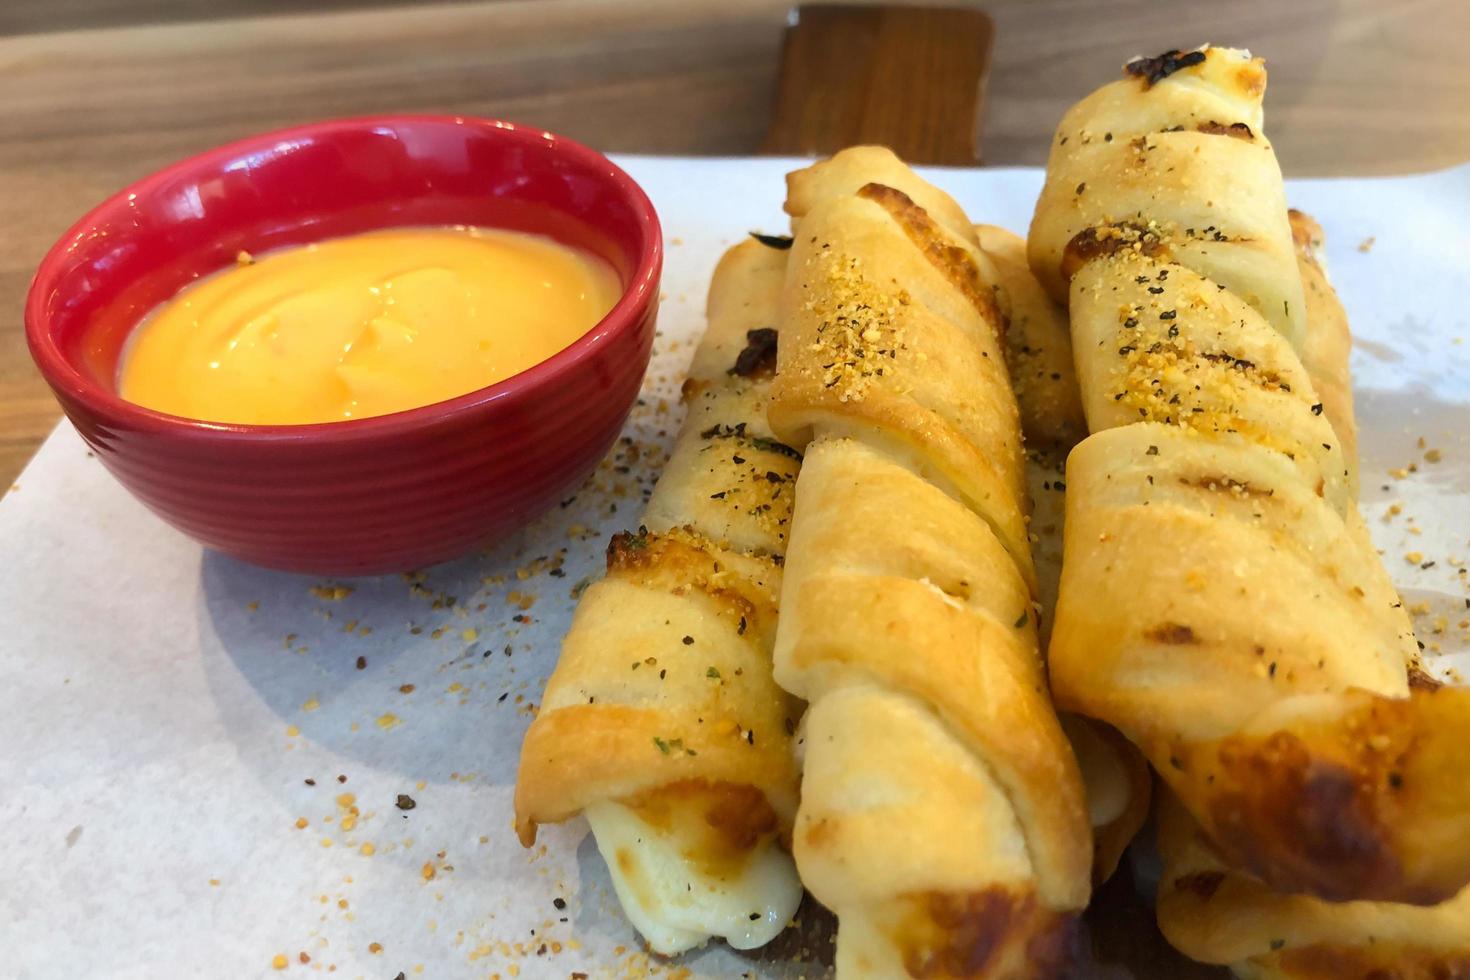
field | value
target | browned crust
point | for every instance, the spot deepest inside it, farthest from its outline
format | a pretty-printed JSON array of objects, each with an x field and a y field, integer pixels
[
  {"x": 1236, "y": 130},
  {"x": 994, "y": 932},
  {"x": 931, "y": 239},
  {"x": 679, "y": 564},
  {"x": 1306, "y": 824},
  {"x": 1420, "y": 680},
  {"x": 1339, "y": 808},
  {"x": 1103, "y": 241},
  {"x": 629, "y": 762},
  {"x": 1154, "y": 70},
  {"x": 758, "y": 358}
]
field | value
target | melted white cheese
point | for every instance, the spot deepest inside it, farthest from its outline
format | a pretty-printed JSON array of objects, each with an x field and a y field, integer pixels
[{"x": 676, "y": 905}]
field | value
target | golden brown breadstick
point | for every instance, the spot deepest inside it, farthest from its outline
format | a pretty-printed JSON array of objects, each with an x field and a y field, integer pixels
[
  {"x": 1220, "y": 915},
  {"x": 942, "y": 815},
  {"x": 662, "y": 721},
  {"x": 1219, "y": 602}
]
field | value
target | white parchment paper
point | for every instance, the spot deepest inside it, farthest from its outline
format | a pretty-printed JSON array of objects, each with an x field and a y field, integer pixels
[{"x": 164, "y": 712}]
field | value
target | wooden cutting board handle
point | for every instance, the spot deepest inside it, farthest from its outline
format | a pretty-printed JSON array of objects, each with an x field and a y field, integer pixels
[{"x": 912, "y": 78}]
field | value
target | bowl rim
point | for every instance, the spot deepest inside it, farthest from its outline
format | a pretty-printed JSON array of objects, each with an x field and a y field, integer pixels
[{"x": 624, "y": 316}]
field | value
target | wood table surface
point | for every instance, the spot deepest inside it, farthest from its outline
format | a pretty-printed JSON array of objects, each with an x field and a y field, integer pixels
[{"x": 97, "y": 93}]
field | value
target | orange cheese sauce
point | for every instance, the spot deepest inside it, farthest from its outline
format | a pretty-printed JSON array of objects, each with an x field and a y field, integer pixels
[{"x": 364, "y": 325}]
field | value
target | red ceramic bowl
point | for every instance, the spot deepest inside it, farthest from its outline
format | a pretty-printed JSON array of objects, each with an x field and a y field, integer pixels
[{"x": 368, "y": 495}]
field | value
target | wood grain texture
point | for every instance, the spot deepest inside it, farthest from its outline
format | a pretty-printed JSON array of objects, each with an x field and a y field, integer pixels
[
  {"x": 1357, "y": 86},
  {"x": 909, "y": 77}
]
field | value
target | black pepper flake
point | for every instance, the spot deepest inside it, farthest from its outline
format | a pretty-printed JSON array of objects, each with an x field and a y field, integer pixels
[
  {"x": 362, "y": 663},
  {"x": 740, "y": 629},
  {"x": 310, "y": 782},
  {"x": 1131, "y": 322},
  {"x": 1277, "y": 944},
  {"x": 1152, "y": 451},
  {"x": 1168, "y": 314},
  {"x": 759, "y": 355},
  {"x": 1156, "y": 290},
  {"x": 772, "y": 241},
  {"x": 404, "y": 802},
  {"x": 1395, "y": 779},
  {"x": 1125, "y": 350},
  {"x": 688, "y": 641},
  {"x": 1156, "y": 69},
  {"x": 560, "y": 903},
  {"x": 773, "y": 477},
  {"x": 1081, "y": 187},
  {"x": 1317, "y": 409}
]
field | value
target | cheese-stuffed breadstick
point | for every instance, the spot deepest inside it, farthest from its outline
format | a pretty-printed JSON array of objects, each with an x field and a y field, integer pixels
[
  {"x": 1039, "y": 351},
  {"x": 662, "y": 722},
  {"x": 1219, "y": 602},
  {"x": 1218, "y": 914},
  {"x": 942, "y": 816}
]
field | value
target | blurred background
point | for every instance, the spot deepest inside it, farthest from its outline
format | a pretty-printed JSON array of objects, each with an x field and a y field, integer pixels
[{"x": 95, "y": 93}]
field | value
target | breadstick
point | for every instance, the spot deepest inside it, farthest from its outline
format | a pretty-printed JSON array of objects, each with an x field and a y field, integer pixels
[
  {"x": 662, "y": 721},
  {"x": 942, "y": 814},
  {"x": 1219, "y": 602}
]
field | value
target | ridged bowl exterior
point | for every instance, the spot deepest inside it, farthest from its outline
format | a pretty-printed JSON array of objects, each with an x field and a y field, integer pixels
[{"x": 391, "y": 493}]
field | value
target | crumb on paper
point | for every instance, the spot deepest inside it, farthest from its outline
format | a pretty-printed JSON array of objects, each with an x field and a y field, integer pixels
[
  {"x": 1366, "y": 245},
  {"x": 279, "y": 961},
  {"x": 252, "y": 606},
  {"x": 331, "y": 593},
  {"x": 292, "y": 731},
  {"x": 388, "y": 721},
  {"x": 310, "y": 704}
]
